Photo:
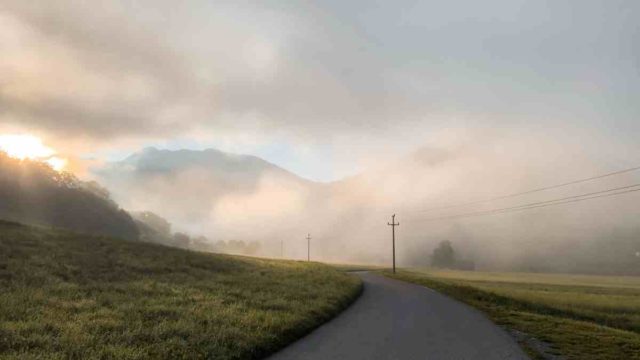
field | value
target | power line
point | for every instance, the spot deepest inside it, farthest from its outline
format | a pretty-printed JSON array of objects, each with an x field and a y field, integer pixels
[
  {"x": 578, "y": 200},
  {"x": 508, "y": 210},
  {"x": 532, "y": 190},
  {"x": 575, "y": 196},
  {"x": 540, "y": 204}
]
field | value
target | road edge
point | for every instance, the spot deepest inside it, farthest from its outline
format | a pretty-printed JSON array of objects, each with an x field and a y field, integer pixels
[
  {"x": 297, "y": 334},
  {"x": 532, "y": 347}
]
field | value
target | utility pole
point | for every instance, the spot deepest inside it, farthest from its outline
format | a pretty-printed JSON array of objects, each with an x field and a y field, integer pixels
[
  {"x": 308, "y": 247},
  {"x": 393, "y": 225}
]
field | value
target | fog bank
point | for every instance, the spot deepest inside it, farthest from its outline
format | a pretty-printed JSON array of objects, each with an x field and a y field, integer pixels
[{"x": 257, "y": 201}]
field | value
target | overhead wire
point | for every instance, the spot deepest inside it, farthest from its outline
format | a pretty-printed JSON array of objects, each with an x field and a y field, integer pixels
[
  {"x": 578, "y": 181},
  {"x": 540, "y": 204}
]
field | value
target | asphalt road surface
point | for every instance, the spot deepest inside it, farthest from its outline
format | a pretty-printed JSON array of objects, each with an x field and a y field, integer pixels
[{"x": 394, "y": 320}]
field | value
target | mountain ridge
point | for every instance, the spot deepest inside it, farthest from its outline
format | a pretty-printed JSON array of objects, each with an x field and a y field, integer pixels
[{"x": 170, "y": 160}]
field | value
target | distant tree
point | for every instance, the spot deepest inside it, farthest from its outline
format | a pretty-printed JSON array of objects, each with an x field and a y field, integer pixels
[
  {"x": 443, "y": 256},
  {"x": 201, "y": 243},
  {"x": 181, "y": 240},
  {"x": 252, "y": 248},
  {"x": 236, "y": 247},
  {"x": 220, "y": 246},
  {"x": 156, "y": 223}
]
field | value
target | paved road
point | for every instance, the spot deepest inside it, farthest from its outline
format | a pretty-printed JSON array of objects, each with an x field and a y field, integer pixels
[{"x": 394, "y": 320}]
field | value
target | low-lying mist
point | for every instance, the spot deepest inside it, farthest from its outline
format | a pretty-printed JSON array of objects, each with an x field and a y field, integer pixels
[{"x": 231, "y": 197}]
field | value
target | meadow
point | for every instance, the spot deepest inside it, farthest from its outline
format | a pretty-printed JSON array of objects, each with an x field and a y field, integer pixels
[
  {"x": 574, "y": 316},
  {"x": 69, "y": 296}
]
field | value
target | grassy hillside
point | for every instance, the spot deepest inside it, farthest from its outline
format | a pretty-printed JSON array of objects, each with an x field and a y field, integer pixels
[
  {"x": 71, "y": 296},
  {"x": 582, "y": 317}
]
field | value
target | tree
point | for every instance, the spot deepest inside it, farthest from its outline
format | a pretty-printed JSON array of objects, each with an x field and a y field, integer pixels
[
  {"x": 96, "y": 189},
  {"x": 443, "y": 256},
  {"x": 236, "y": 247},
  {"x": 252, "y": 248},
  {"x": 220, "y": 246},
  {"x": 156, "y": 224},
  {"x": 32, "y": 192},
  {"x": 201, "y": 243},
  {"x": 181, "y": 240}
]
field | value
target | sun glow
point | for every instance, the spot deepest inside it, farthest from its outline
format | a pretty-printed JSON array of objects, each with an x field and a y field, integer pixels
[{"x": 31, "y": 147}]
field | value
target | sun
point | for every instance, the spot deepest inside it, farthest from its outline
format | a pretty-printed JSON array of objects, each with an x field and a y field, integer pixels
[
  {"x": 31, "y": 147},
  {"x": 58, "y": 164}
]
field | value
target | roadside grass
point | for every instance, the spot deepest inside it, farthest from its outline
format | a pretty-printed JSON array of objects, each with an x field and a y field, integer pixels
[
  {"x": 355, "y": 267},
  {"x": 68, "y": 296},
  {"x": 581, "y": 317}
]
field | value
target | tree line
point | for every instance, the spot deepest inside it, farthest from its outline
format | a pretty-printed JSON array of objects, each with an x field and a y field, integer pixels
[
  {"x": 155, "y": 228},
  {"x": 31, "y": 192}
]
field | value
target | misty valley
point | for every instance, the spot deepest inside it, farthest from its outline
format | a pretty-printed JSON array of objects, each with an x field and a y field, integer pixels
[
  {"x": 69, "y": 254},
  {"x": 317, "y": 180}
]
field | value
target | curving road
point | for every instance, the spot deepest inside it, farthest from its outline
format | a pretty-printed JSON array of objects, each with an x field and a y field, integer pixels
[{"x": 394, "y": 320}]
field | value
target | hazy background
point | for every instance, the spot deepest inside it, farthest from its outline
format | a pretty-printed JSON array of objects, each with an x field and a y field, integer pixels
[{"x": 372, "y": 108}]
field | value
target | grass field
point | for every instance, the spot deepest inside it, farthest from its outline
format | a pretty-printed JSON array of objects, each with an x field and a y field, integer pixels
[
  {"x": 580, "y": 316},
  {"x": 66, "y": 296},
  {"x": 355, "y": 267}
]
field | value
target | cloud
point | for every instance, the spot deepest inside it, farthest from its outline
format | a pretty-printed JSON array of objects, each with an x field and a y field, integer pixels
[
  {"x": 66, "y": 72},
  {"x": 380, "y": 75},
  {"x": 349, "y": 84}
]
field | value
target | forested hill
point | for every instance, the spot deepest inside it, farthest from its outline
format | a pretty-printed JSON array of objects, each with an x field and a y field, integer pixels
[{"x": 31, "y": 192}]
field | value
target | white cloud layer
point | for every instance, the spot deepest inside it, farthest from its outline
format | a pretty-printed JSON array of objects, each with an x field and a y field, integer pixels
[{"x": 361, "y": 77}]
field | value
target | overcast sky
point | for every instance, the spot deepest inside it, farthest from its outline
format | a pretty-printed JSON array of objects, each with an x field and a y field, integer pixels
[{"x": 323, "y": 88}]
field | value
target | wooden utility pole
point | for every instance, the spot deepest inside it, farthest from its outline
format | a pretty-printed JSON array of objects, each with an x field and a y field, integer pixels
[
  {"x": 393, "y": 225},
  {"x": 308, "y": 247}
]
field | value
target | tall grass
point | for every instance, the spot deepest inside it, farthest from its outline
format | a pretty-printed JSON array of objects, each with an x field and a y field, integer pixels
[
  {"x": 66, "y": 296},
  {"x": 612, "y": 301}
]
